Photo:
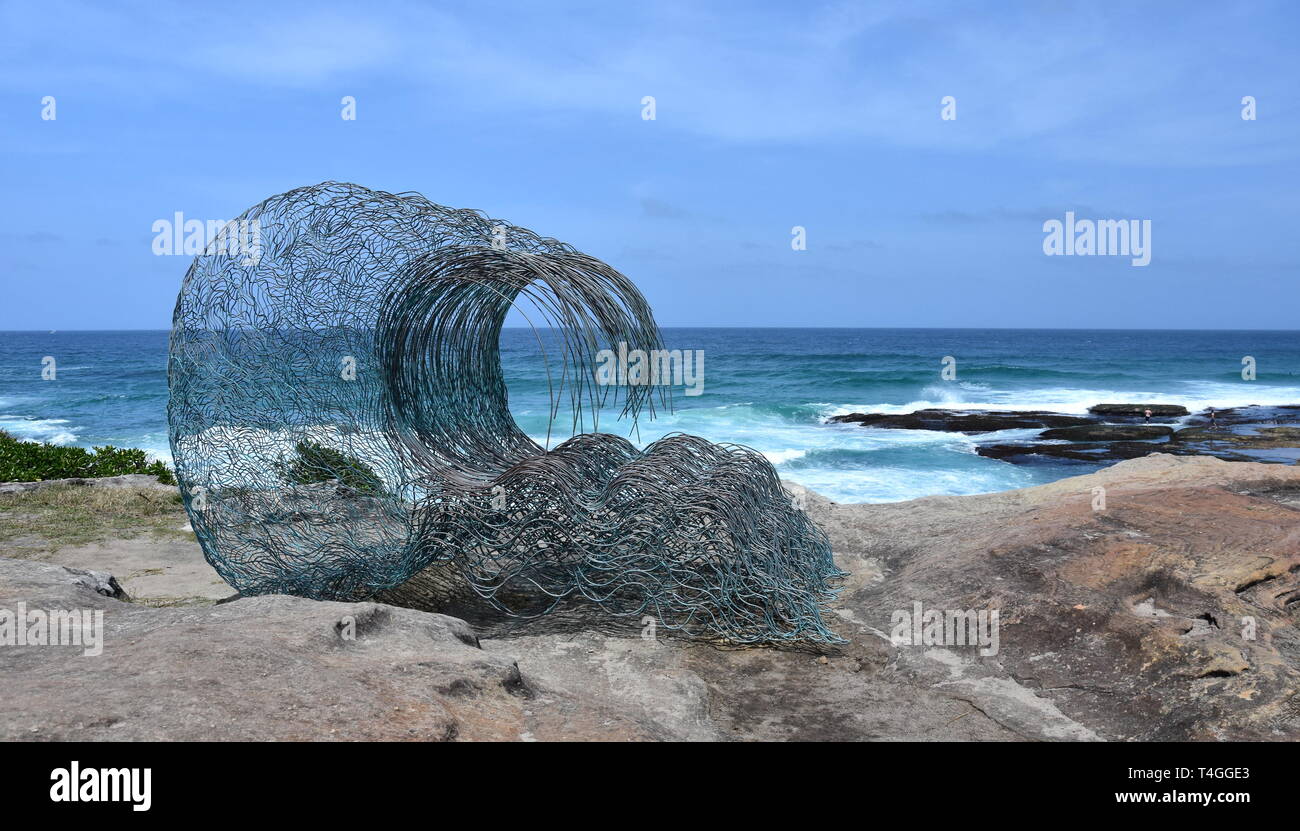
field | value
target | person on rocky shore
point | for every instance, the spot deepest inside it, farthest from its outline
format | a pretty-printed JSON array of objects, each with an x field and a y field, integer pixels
[
  {"x": 1214, "y": 424},
  {"x": 1146, "y": 416}
]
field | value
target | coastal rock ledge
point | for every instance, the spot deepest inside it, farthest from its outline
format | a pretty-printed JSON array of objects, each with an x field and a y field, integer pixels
[
  {"x": 1155, "y": 599},
  {"x": 963, "y": 421}
]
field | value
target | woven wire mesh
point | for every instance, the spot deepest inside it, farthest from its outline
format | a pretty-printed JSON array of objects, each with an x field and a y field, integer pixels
[{"x": 304, "y": 474}]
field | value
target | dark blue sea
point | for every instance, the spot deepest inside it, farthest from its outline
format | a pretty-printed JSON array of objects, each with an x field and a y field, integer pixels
[{"x": 770, "y": 389}]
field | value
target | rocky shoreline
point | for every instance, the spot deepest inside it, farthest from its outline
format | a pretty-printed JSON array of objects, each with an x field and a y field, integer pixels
[
  {"x": 1153, "y": 600},
  {"x": 1113, "y": 432}
]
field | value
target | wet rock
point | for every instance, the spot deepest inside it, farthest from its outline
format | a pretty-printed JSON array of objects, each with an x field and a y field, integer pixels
[
  {"x": 1250, "y": 415},
  {"x": 1081, "y": 452},
  {"x": 1138, "y": 410},
  {"x": 1109, "y": 432},
  {"x": 1242, "y": 443},
  {"x": 963, "y": 421},
  {"x": 1261, "y": 434},
  {"x": 1262, "y": 437}
]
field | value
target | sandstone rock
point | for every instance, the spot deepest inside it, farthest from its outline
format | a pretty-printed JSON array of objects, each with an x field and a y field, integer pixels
[
  {"x": 99, "y": 582},
  {"x": 275, "y": 667},
  {"x": 1193, "y": 537},
  {"x": 162, "y": 571},
  {"x": 1124, "y": 623},
  {"x": 130, "y": 480}
]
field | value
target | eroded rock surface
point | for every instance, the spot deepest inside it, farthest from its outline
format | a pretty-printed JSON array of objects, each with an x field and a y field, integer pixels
[
  {"x": 1156, "y": 599},
  {"x": 274, "y": 667}
]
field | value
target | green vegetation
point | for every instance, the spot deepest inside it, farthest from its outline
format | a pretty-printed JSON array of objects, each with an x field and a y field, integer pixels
[
  {"x": 48, "y": 518},
  {"x": 26, "y": 461},
  {"x": 317, "y": 463}
]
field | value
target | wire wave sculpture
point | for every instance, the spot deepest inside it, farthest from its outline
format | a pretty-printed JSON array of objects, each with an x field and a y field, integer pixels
[{"x": 339, "y": 424}]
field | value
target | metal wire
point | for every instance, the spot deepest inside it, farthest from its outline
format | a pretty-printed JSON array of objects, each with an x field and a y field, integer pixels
[{"x": 303, "y": 477}]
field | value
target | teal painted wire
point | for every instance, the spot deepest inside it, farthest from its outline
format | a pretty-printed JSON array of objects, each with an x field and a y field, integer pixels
[{"x": 700, "y": 536}]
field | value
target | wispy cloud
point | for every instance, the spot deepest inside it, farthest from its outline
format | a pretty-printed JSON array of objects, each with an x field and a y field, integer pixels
[
  {"x": 824, "y": 115},
  {"x": 659, "y": 209},
  {"x": 1070, "y": 81},
  {"x": 953, "y": 217}
]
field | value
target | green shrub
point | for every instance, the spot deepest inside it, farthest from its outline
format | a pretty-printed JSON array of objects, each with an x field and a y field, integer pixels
[
  {"x": 27, "y": 461},
  {"x": 317, "y": 463}
]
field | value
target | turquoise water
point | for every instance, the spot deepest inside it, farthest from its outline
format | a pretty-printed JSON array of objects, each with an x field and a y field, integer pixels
[{"x": 770, "y": 389}]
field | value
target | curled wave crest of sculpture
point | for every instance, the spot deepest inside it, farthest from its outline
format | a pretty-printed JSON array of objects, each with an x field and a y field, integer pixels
[{"x": 339, "y": 424}]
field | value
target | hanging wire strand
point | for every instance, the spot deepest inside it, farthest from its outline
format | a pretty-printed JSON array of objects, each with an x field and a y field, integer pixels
[{"x": 301, "y": 477}]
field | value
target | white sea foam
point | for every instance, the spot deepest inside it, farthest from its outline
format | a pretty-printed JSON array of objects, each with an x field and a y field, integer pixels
[
  {"x": 899, "y": 483},
  {"x": 50, "y": 430},
  {"x": 1196, "y": 396},
  {"x": 847, "y": 463},
  {"x": 789, "y": 454}
]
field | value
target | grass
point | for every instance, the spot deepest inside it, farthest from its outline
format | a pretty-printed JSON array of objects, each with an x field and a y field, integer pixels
[{"x": 57, "y": 516}]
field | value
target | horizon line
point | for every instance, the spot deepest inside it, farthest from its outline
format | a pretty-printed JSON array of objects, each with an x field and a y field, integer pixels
[{"x": 788, "y": 326}]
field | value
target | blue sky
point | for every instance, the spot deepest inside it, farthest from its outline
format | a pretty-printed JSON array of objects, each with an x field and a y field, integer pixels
[{"x": 825, "y": 116}]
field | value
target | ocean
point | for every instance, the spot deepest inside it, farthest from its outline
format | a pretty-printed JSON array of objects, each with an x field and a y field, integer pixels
[{"x": 769, "y": 389}]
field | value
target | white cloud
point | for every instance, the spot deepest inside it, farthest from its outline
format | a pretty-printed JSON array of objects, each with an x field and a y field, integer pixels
[{"x": 1066, "y": 81}]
